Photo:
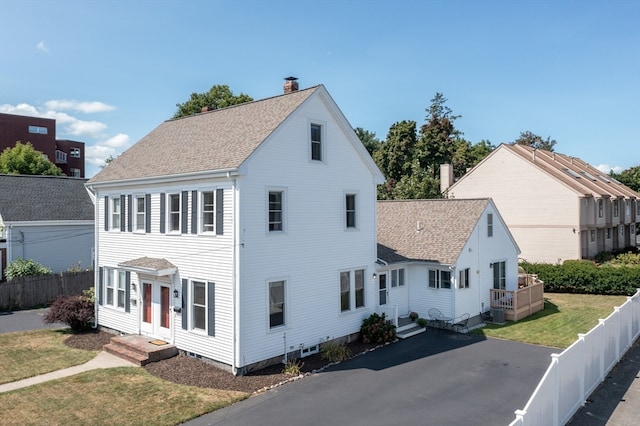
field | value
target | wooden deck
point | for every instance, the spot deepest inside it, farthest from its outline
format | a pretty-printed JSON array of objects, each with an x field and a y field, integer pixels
[{"x": 520, "y": 303}]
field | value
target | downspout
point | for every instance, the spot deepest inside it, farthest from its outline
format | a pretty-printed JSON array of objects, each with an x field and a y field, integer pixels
[
  {"x": 96, "y": 268},
  {"x": 9, "y": 245}
]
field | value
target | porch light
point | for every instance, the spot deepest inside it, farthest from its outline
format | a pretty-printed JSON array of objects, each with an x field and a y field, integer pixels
[
  {"x": 175, "y": 293},
  {"x": 374, "y": 276}
]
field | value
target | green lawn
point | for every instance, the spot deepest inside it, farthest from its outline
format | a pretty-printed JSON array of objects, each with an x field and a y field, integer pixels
[
  {"x": 558, "y": 324},
  {"x": 30, "y": 353}
]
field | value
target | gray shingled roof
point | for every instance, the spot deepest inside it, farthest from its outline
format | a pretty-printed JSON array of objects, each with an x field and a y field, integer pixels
[
  {"x": 215, "y": 140},
  {"x": 150, "y": 263},
  {"x": 426, "y": 230},
  {"x": 42, "y": 198}
]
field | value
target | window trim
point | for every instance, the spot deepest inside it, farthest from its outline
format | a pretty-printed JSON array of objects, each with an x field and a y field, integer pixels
[
  {"x": 115, "y": 282},
  {"x": 192, "y": 306},
  {"x": 202, "y": 212},
  {"x": 113, "y": 201},
  {"x": 464, "y": 277},
  {"x": 170, "y": 213},
  {"x": 322, "y": 142},
  {"x": 137, "y": 212},
  {"x": 283, "y": 211},
  {"x": 285, "y": 287},
  {"x": 353, "y": 212}
]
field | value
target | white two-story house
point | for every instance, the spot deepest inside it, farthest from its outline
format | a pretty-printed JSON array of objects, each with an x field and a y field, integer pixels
[{"x": 240, "y": 234}]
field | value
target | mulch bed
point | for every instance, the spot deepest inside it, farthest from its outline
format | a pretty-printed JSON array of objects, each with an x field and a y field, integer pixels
[{"x": 193, "y": 372}]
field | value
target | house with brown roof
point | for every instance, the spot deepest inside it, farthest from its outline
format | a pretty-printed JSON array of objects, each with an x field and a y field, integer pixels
[
  {"x": 445, "y": 254},
  {"x": 242, "y": 235},
  {"x": 557, "y": 207},
  {"x": 48, "y": 219}
]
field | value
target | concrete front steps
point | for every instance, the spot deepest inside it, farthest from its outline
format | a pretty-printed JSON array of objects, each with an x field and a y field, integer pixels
[
  {"x": 407, "y": 328},
  {"x": 140, "y": 350}
]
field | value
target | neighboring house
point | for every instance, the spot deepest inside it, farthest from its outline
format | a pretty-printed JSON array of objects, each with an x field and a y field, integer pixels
[
  {"x": 444, "y": 254},
  {"x": 557, "y": 207},
  {"x": 240, "y": 234},
  {"x": 41, "y": 133},
  {"x": 48, "y": 219}
]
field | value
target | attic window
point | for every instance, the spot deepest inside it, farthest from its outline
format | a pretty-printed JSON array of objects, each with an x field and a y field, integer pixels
[
  {"x": 588, "y": 176},
  {"x": 572, "y": 173},
  {"x": 38, "y": 129}
]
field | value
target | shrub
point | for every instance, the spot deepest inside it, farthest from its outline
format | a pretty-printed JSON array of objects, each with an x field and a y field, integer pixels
[
  {"x": 377, "y": 329},
  {"x": 422, "y": 322},
  {"x": 25, "y": 268},
  {"x": 75, "y": 311},
  {"x": 293, "y": 367},
  {"x": 334, "y": 352}
]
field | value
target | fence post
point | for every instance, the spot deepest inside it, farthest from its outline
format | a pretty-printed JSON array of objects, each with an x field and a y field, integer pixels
[
  {"x": 616, "y": 311},
  {"x": 601, "y": 346},
  {"x": 583, "y": 391},
  {"x": 519, "y": 417},
  {"x": 555, "y": 361}
]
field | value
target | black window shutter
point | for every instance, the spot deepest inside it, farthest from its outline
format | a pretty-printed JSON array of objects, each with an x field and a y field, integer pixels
[
  {"x": 106, "y": 212},
  {"x": 211, "y": 309},
  {"x": 122, "y": 224},
  {"x": 98, "y": 292},
  {"x": 194, "y": 212},
  {"x": 183, "y": 211},
  {"x": 185, "y": 300},
  {"x": 147, "y": 213},
  {"x": 129, "y": 215},
  {"x": 219, "y": 211},
  {"x": 127, "y": 292},
  {"x": 163, "y": 206}
]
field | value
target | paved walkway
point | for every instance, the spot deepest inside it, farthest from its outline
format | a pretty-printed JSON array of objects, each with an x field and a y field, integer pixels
[{"x": 102, "y": 360}]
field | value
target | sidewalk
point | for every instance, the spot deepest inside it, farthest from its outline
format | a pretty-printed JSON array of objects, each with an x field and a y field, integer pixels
[{"x": 102, "y": 360}]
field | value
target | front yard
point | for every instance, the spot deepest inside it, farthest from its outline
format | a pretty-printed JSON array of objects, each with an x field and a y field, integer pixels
[{"x": 128, "y": 396}]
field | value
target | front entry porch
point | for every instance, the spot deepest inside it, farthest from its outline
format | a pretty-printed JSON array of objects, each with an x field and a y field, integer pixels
[{"x": 140, "y": 350}]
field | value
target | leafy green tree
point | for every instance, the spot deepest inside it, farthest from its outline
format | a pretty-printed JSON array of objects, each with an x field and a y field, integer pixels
[
  {"x": 629, "y": 177},
  {"x": 368, "y": 139},
  {"x": 23, "y": 159},
  {"x": 535, "y": 141},
  {"x": 394, "y": 156},
  {"x": 25, "y": 268},
  {"x": 219, "y": 96},
  {"x": 437, "y": 142}
]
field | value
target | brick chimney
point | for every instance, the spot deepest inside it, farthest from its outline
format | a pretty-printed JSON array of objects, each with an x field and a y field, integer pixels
[
  {"x": 290, "y": 84},
  {"x": 446, "y": 177}
]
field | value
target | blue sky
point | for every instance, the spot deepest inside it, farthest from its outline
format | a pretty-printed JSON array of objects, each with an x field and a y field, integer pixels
[{"x": 111, "y": 71}]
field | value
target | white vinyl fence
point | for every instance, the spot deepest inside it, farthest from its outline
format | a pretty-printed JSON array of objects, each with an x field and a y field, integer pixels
[{"x": 575, "y": 373}]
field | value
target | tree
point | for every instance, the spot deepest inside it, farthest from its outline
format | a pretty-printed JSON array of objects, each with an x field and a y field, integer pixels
[
  {"x": 108, "y": 160},
  {"x": 629, "y": 177},
  {"x": 534, "y": 141},
  {"x": 437, "y": 142},
  {"x": 23, "y": 159},
  {"x": 394, "y": 157},
  {"x": 368, "y": 139},
  {"x": 219, "y": 96}
]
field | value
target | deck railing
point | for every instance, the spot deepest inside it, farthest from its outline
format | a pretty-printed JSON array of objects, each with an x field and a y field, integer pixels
[
  {"x": 390, "y": 311},
  {"x": 520, "y": 303}
]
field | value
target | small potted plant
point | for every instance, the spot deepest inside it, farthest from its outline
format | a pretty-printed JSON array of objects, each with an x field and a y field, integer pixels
[{"x": 413, "y": 316}]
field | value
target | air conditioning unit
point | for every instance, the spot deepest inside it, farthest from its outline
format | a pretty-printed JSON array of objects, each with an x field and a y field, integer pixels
[{"x": 498, "y": 315}]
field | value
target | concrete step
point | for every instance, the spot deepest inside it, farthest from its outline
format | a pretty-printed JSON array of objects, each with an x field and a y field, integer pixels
[
  {"x": 411, "y": 331},
  {"x": 140, "y": 349},
  {"x": 124, "y": 353}
]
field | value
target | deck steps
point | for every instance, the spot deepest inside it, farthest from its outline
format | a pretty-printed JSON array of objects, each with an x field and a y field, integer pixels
[
  {"x": 408, "y": 328},
  {"x": 139, "y": 349}
]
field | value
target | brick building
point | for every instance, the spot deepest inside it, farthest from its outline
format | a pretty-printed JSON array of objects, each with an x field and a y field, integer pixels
[{"x": 68, "y": 155}]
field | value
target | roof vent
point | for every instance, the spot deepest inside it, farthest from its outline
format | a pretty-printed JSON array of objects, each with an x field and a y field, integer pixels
[{"x": 290, "y": 84}]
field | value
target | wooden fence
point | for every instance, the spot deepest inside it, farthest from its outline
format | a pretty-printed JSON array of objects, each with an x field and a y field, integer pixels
[{"x": 29, "y": 292}]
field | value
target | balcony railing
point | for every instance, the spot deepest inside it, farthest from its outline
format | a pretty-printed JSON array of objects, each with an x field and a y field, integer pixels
[{"x": 522, "y": 302}]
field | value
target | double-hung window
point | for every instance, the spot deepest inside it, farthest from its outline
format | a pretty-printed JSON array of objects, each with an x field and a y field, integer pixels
[
  {"x": 490, "y": 225},
  {"x": 350, "y": 201},
  {"x": 352, "y": 291},
  {"x": 616, "y": 208},
  {"x": 174, "y": 212},
  {"x": 140, "y": 213},
  {"x": 199, "y": 306},
  {"x": 276, "y": 304},
  {"x": 600, "y": 208},
  {"x": 276, "y": 207},
  {"x": 115, "y": 288},
  {"x": 208, "y": 212},
  {"x": 116, "y": 213},
  {"x": 499, "y": 275},
  {"x": 397, "y": 277},
  {"x": 345, "y": 291},
  {"x": 439, "y": 279},
  {"x": 463, "y": 279},
  {"x": 359, "y": 287},
  {"x": 316, "y": 142}
]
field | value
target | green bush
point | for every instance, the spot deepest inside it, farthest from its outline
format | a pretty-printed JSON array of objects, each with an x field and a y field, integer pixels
[
  {"x": 25, "y": 268},
  {"x": 293, "y": 367},
  {"x": 334, "y": 352},
  {"x": 377, "y": 329},
  {"x": 75, "y": 311},
  {"x": 581, "y": 276}
]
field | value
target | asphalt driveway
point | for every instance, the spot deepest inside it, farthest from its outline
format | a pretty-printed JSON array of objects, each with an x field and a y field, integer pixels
[
  {"x": 429, "y": 379},
  {"x": 31, "y": 319}
]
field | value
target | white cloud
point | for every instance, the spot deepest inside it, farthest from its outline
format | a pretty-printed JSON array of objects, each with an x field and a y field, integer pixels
[
  {"x": 20, "y": 109},
  {"x": 113, "y": 146},
  {"x": 606, "y": 168},
  {"x": 85, "y": 128},
  {"x": 118, "y": 141},
  {"x": 42, "y": 47},
  {"x": 86, "y": 107}
]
